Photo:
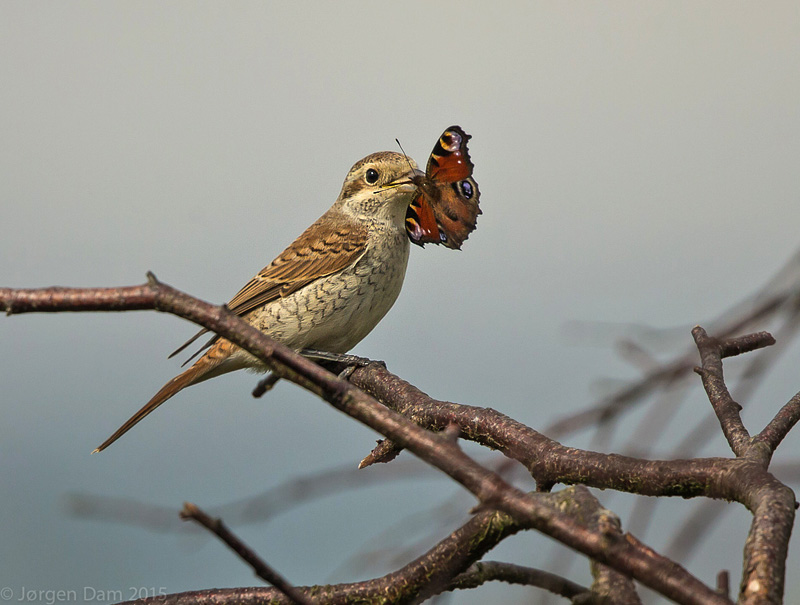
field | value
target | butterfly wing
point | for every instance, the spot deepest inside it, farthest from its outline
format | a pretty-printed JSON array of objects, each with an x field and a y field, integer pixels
[
  {"x": 421, "y": 224},
  {"x": 446, "y": 210}
]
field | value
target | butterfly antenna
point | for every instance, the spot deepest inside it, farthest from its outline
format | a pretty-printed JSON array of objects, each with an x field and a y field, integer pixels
[
  {"x": 404, "y": 153},
  {"x": 410, "y": 165}
]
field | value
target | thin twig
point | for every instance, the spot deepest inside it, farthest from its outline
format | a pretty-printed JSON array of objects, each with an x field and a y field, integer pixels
[
  {"x": 249, "y": 556},
  {"x": 726, "y": 409},
  {"x": 724, "y": 583},
  {"x": 384, "y": 452},
  {"x": 496, "y": 571},
  {"x": 265, "y": 384},
  {"x": 780, "y": 425},
  {"x": 612, "y": 406}
]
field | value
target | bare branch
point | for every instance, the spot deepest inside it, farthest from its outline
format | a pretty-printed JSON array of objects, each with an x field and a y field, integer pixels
[
  {"x": 771, "y": 502},
  {"x": 612, "y": 406},
  {"x": 779, "y": 426},
  {"x": 609, "y": 586},
  {"x": 548, "y": 461},
  {"x": 384, "y": 452},
  {"x": 426, "y": 576},
  {"x": 767, "y": 546},
  {"x": 191, "y": 512},
  {"x": 730, "y": 347},
  {"x": 626, "y": 555},
  {"x": 743, "y": 479},
  {"x": 726, "y": 409},
  {"x": 495, "y": 571},
  {"x": 724, "y": 583}
]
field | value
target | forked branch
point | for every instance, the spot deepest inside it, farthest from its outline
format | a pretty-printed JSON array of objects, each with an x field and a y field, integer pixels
[{"x": 744, "y": 479}]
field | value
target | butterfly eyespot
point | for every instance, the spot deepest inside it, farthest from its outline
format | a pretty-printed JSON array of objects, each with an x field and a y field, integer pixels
[
  {"x": 450, "y": 140},
  {"x": 446, "y": 206},
  {"x": 371, "y": 176}
]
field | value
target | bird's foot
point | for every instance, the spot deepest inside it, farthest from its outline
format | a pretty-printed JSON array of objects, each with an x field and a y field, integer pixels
[
  {"x": 343, "y": 364},
  {"x": 335, "y": 361}
]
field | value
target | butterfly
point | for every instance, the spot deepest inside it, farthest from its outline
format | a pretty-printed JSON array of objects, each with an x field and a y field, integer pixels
[{"x": 446, "y": 209}]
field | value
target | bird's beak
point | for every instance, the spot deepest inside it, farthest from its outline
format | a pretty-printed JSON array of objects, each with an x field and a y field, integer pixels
[{"x": 407, "y": 182}]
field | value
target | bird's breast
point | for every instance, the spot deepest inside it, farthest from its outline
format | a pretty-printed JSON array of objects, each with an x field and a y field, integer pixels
[{"x": 337, "y": 311}]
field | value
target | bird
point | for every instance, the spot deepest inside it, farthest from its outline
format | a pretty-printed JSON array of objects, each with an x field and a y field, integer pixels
[{"x": 329, "y": 288}]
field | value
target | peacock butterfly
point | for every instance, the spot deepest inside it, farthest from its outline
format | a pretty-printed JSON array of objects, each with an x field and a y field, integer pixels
[{"x": 446, "y": 209}]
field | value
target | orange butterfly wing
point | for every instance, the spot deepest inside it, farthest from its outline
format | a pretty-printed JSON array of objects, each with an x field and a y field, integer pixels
[{"x": 446, "y": 210}]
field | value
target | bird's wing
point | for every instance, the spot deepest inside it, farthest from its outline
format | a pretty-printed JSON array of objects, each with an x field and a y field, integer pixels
[{"x": 323, "y": 249}]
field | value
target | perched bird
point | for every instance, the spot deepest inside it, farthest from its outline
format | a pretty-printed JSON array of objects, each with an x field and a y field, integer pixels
[{"x": 330, "y": 287}]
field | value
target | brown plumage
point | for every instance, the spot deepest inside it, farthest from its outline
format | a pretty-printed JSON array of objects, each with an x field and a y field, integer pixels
[
  {"x": 329, "y": 288},
  {"x": 324, "y": 248}
]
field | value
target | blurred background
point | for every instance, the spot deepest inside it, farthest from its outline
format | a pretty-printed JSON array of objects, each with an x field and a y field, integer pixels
[{"x": 638, "y": 164}]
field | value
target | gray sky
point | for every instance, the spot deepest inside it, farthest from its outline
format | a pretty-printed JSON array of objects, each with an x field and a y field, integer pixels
[{"x": 638, "y": 162}]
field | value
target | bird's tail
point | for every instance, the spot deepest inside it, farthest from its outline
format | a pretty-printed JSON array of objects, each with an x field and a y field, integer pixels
[{"x": 205, "y": 367}]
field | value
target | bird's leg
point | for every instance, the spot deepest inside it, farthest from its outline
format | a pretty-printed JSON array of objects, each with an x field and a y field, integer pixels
[
  {"x": 328, "y": 360},
  {"x": 335, "y": 357}
]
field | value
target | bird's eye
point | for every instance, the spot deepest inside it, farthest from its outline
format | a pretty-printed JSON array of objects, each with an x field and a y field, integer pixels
[{"x": 371, "y": 176}]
